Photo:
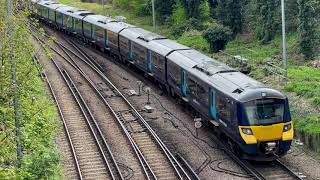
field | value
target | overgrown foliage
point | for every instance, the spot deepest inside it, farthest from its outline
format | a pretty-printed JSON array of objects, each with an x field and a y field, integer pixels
[
  {"x": 164, "y": 9},
  {"x": 265, "y": 29},
  {"x": 36, "y": 110},
  {"x": 308, "y": 28},
  {"x": 217, "y": 36},
  {"x": 228, "y": 12},
  {"x": 192, "y": 8}
]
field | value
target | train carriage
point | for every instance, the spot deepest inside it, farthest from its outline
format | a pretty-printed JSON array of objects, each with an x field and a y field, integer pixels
[
  {"x": 160, "y": 49},
  {"x": 134, "y": 42},
  {"x": 74, "y": 19},
  {"x": 252, "y": 117},
  {"x": 43, "y": 9},
  {"x": 98, "y": 33},
  {"x": 114, "y": 39},
  {"x": 64, "y": 21}
]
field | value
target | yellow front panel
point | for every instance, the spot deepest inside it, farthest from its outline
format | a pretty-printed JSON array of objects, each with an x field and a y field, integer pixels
[{"x": 266, "y": 133}]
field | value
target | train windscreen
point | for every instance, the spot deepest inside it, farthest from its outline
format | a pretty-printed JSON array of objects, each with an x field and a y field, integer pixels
[{"x": 264, "y": 111}]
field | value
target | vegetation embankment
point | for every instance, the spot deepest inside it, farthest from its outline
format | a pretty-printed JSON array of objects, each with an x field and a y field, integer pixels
[
  {"x": 248, "y": 28},
  {"x": 36, "y": 111}
]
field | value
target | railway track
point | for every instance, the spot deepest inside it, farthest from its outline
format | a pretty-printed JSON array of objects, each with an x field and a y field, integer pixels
[
  {"x": 264, "y": 171},
  {"x": 261, "y": 170},
  {"x": 147, "y": 144},
  {"x": 155, "y": 158},
  {"x": 91, "y": 154},
  {"x": 275, "y": 170},
  {"x": 161, "y": 162}
]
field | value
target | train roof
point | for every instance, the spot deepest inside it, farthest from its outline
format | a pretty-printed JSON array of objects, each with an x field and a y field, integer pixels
[
  {"x": 179, "y": 58},
  {"x": 51, "y": 4},
  {"x": 99, "y": 20},
  {"x": 64, "y": 9},
  {"x": 203, "y": 63},
  {"x": 165, "y": 46},
  {"x": 224, "y": 78},
  {"x": 234, "y": 84},
  {"x": 260, "y": 93},
  {"x": 141, "y": 34},
  {"x": 118, "y": 26},
  {"x": 46, "y": 3},
  {"x": 78, "y": 13},
  {"x": 37, "y": 1}
]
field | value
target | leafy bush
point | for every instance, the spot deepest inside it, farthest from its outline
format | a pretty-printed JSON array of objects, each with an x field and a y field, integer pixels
[
  {"x": 217, "y": 36},
  {"x": 178, "y": 30},
  {"x": 192, "y": 8},
  {"x": 178, "y": 16},
  {"x": 194, "y": 40},
  {"x": 37, "y": 113}
]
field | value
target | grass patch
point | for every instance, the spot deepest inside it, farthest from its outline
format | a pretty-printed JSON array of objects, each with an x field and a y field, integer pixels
[
  {"x": 304, "y": 81},
  {"x": 194, "y": 40},
  {"x": 36, "y": 110}
]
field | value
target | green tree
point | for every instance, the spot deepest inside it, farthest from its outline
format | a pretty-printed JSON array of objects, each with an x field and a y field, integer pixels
[
  {"x": 213, "y": 4},
  {"x": 265, "y": 27},
  {"x": 228, "y": 12},
  {"x": 192, "y": 8},
  {"x": 217, "y": 36},
  {"x": 164, "y": 8},
  {"x": 307, "y": 28}
]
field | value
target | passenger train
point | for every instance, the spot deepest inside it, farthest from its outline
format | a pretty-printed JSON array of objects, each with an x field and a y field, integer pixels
[{"x": 251, "y": 117}]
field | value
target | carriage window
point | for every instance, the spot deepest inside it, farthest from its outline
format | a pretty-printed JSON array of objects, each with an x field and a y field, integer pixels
[
  {"x": 203, "y": 94},
  {"x": 113, "y": 38},
  {"x": 59, "y": 18},
  {"x": 198, "y": 90},
  {"x": 224, "y": 107},
  {"x": 52, "y": 15},
  {"x": 99, "y": 33},
  {"x": 139, "y": 52},
  {"x": 123, "y": 43},
  {"x": 67, "y": 21},
  {"x": 87, "y": 28},
  {"x": 192, "y": 86},
  {"x": 78, "y": 23},
  {"x": 174, "y": 72},
  {"x": 157, "y": 60}
]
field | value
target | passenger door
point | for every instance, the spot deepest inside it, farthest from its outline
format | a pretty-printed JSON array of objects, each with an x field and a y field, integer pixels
[
  {"x": 213, "y": 110},
  {"x": 149, "y": 61},
  {"x": 183, "y": 83},
  {"x": 106, "y": 38},
  {"x": 130, "y": 50},
  {"x": 74, "y": 29}
]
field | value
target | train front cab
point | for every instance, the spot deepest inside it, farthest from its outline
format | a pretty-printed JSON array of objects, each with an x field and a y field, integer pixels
[{"x": 265, "y": 128}]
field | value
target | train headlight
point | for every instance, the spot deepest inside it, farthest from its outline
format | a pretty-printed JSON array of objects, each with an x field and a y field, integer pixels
[
  {"x": 287, "y": 127},
  {"x": 247, "y": 131}
]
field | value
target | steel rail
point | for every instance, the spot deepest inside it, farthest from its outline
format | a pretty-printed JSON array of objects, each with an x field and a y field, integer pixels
[
  {"x": 167, "y": 152},
  {"x": 164, "y": 149},
  {"x": 143, "y": 162},
  {"x": 90, "y": 126},
  {"x": 84, "y": 107},
  {"x": 147, "y": 169},
  {"x": 63, "y": 120},
  {"x": 243, "y": 163},
  {"x": 288, "y": 169}
]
